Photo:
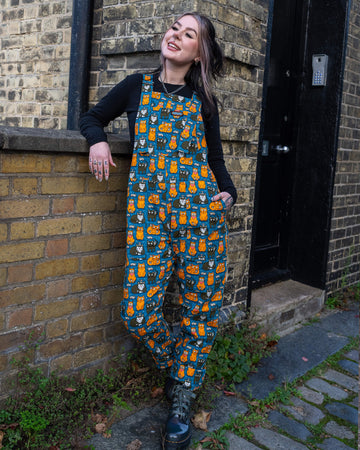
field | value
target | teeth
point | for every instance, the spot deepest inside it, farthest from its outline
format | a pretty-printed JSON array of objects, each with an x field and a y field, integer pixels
[{"x": 173, "y": 46}]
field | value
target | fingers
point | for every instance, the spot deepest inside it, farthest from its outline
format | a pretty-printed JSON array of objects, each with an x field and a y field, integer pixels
[
  {"x": 100, "y": 160},
  {"x": 226, "y": 198}
]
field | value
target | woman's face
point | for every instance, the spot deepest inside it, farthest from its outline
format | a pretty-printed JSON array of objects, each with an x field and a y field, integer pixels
[{"x": 180, "y": 45}]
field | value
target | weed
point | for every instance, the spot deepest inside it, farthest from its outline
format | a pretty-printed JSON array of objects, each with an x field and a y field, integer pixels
[
  {"x": 236, "y": 352},
  {"x": 216, "y": 440}
]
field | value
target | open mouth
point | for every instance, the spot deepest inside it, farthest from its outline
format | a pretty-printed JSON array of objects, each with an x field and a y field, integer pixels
[{"x": 173, "y": 46}]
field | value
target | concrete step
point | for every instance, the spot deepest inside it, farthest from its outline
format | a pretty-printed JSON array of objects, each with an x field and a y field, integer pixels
[{"x": 282, "y": 307}]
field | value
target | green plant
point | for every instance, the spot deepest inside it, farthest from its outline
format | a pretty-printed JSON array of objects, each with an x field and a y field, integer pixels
[
  {"x": 216, "y": 440},
  {"x": 236, "y": 352}
]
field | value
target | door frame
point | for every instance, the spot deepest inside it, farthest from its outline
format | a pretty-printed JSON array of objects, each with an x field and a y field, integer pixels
[{"x": 310, "y": 43}]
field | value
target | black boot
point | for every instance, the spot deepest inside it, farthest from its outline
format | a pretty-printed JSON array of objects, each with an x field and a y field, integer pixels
[
  {"x": 170, "y": 383},
  {"x": 178, "y": 428}
]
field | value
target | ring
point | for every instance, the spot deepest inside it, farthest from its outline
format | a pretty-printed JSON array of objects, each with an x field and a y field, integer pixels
[{"x": 95, "y": 162}]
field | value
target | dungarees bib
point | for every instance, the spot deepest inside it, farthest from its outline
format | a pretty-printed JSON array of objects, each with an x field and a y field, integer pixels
[{"x": 172, "y": 225}]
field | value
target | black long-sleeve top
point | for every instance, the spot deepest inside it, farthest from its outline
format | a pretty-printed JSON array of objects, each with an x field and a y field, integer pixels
[{"x": 125, "y": 97}]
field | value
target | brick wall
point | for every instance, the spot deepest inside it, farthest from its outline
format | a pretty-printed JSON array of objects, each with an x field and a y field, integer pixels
[
  {"x": 127, "y": 38},
  {"x": 62, "y": 237},
  {"x": 34, "y": 57},
  {"x": 344, "y": 251}
]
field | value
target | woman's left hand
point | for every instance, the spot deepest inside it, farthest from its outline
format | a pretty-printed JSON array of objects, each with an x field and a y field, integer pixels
[{"x": 226, "y": 198}]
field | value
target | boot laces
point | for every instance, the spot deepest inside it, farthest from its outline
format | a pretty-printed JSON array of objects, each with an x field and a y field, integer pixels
[{"x": 182, "y": 399}]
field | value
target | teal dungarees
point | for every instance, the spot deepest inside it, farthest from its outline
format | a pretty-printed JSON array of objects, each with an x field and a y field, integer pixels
[{"x": 172, "y": 225}]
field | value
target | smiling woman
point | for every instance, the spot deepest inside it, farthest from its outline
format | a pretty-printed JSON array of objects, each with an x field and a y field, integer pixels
[{"x": 179, "y": 192}]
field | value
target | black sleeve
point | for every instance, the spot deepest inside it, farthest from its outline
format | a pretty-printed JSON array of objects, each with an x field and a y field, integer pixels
[
  {"x": 216, "y": 156},
  {"x": 124, "y": 97}
]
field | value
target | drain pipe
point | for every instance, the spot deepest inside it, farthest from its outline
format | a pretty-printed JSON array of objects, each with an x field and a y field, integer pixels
[{"x": 82, "y": 17}]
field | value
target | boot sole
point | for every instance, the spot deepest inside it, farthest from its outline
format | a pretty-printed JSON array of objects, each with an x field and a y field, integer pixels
[{"x": 177, "y": 446}]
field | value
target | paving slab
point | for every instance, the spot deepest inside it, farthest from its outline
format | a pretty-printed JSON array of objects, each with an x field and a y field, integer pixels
[
  {"x": 303, "y": 411},
  {"x": 349, "y": 366},
  {"x": 223, "y": 408},
  {"x": 296, "y": 354},
  {"x": 341, "y": 379},
  {"x": 311, "y": 395},
  {"x": 275, "y": 441},
  {"x": 343, "y": 411},
  {"x": 237, "y": 443},
  {"x": 339, "y": 431},
  {"x": 145, "y": 425},
  {"x": 326, "y": 388},
  {"x": 342, "y": 323},
  {"x": 333, "y": 444},
  {"x": 352, "y": 354},
  {"x": 290, "y": 426},
  {"x": 355, "y": 402}
]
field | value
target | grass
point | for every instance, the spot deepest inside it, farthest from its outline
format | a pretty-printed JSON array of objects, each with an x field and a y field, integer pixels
[{"x": 60, "y": 412}]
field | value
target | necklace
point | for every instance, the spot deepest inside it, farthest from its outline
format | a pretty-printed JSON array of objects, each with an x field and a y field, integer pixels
[{"x": 172, "y": 92}]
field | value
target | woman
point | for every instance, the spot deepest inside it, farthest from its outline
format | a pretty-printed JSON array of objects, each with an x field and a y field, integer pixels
[{"x": 178, "y": 194}]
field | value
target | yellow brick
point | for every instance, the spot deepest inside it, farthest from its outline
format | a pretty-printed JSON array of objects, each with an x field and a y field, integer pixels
[
  {"x": 25, "y": 186},
  {"x": 60, "y": 346},
  {"x": 118, "y": 182},
  {"x": 3, "y": 232},
  {"x": 114, "y": 221},
  {"x": 92, "y": 354},
  {"x": 65, "y": 163},
  {"x": 3, "y": 274},
  {"x": 91, "y": 224},
  {"x": 89, "y": 320},
  {"x": 21, "y": 252},
  {"x": 112, "y": 297},
  {"x": 22, "y": 230},
  {"x": 25, "y": 163},
  {"x": 93, "y": 337},
  {"x": 90, "y": 243},
  {"x": 95, "y": 186},
  {"x": 61, "y": 363},
  {"x": 12, "y": 209},
  {"x": 2, "y": 321},
  {"x": 4, "y": 187},
  {"x": 57, "y": 328},
  {"x": 52, "y": 227},
  {"x": 22, "y": 295},
  {"x": 56, "y": 268},
  {"x": 96, "y": 203},
  {"x": 91, "y": 262},
  {"x": 90, "y": 282},
  {"x": 113, "y": 259},
  {"x": 62, "y": 185},
  {"x": 57, "y": 309},
  {"x": 3, "y": 363}
]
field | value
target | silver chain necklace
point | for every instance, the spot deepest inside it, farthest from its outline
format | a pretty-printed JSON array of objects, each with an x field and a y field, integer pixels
[{"x": 172, "y": 92}]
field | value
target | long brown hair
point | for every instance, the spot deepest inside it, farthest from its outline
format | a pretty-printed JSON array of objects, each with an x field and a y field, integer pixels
[{"x": 200, "y": 75}]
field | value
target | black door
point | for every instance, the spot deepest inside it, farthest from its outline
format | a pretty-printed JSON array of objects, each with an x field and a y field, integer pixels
[{"x": 277, "y": 149}]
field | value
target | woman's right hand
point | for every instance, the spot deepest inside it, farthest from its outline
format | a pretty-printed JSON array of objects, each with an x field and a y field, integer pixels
[{"x": 99, "y": 160}]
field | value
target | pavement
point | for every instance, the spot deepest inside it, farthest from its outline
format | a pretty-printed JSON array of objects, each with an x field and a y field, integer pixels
[{"x": 329, "y": 402}]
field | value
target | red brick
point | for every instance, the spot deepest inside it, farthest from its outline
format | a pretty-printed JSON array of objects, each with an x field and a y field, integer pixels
[
  {"x": 58, "y": 288},
  {"x": 63, "y": 205},
  {"x": 89, "y": 302},
  {"x": 22, "y": 317},
  {"x": 57, "y": 247},
  {"x": 20, "y": 274}
]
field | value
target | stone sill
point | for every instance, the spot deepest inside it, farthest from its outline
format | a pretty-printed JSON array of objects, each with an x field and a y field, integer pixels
[{"x": 69, "y": 141}]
